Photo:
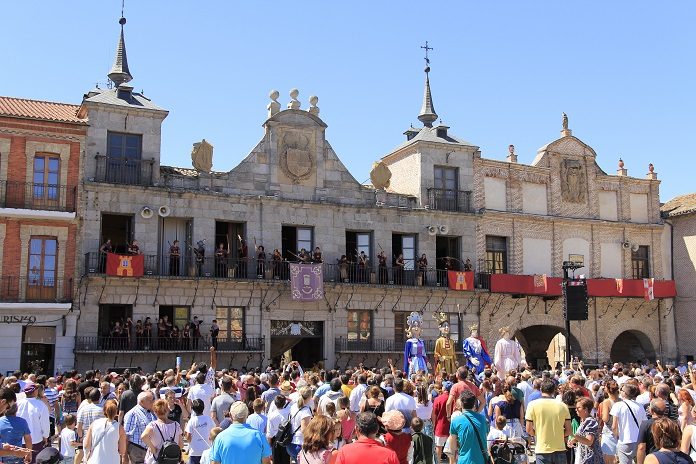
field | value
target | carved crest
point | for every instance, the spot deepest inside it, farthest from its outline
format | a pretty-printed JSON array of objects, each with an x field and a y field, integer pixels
[
  {"x": 202, "y": 156},
  {"x": 573, "y": 181},
  {"x": 380, "y": 176},
  {"x": 296, "y": 159}
]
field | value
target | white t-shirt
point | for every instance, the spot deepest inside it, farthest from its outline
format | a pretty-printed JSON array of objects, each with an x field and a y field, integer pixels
[
  {"x": 199, "y": 427},
  {"x": 425, "y": 413},
  {"x": 203, "y": 392},
  {"x": 275, "y": 418},
  {"x": 628, "y": 429},
  {"x": 401, "y": 402},
  {"x": 66, "y": 436},
  {"x": 296, "y": 422},
  {"x": 495, "y": 434}
]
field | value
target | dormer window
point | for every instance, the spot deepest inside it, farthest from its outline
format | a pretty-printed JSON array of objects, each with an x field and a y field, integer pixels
[
  {"x": 441, "y": 131},
  {"x": 410, "y": 133}
]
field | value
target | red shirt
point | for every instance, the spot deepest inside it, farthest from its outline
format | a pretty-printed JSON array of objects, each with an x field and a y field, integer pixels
[
  {"x": 442, "y": 424},
  {"x": 462, "y": 385},
  {"x": 400, "y": 443},
  {"x": 366, "y": 450}
]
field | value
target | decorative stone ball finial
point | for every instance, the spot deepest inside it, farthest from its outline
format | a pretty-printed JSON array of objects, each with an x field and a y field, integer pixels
[
  {"x": 294, "y": 102},
  {"x": 651, "y": 168},
  {"x": 273, "y": 107},
  {"x": 313, "y": 108},
  {"x": 621, "y": 163}
]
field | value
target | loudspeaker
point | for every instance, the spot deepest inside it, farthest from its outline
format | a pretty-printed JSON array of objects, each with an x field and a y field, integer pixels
[{"x": 575, "y": 301}]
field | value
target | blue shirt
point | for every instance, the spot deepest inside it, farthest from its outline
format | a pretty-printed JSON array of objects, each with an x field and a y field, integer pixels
[
  {"x": 13, "y": 429},
  {"x": 469, "y": 449},
  {"x": 258, "y": 422},
  {"x": 240, "y": 444},
  {"x": 534, "y": 395},
  {"x": 325, "y": 387}
]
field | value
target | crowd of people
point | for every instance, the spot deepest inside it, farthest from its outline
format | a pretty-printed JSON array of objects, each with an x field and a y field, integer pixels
[
  {"x": 613, "y": 414},
  {"x": 165, "y": 335}
]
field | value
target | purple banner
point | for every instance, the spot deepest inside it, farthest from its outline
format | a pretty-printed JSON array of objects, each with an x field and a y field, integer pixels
[{"x": 306, "y": 282}]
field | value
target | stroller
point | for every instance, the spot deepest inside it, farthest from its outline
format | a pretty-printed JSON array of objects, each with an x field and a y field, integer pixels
[{"x": 511, "y": 451}]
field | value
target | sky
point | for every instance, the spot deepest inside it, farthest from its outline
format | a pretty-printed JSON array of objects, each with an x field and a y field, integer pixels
[{"x": 503, "y": 72}]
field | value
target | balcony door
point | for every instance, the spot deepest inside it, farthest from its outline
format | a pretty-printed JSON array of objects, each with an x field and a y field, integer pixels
[
  {"x": 41, "y": 274},
  {"x": 446, "y": 188},
  {"x": 124, "y": 154},
  {"x": 45, "y": 189}
]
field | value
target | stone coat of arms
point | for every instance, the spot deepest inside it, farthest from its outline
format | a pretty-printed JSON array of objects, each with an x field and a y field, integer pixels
[
  {"x": 296, "y": 159},
  {"x": 573, "y": 182}
]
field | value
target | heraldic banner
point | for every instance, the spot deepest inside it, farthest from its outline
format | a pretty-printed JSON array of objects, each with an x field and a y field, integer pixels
[
  {"x": 461, "y": 280},
  {"x": 306, "y": 282},
  {"x": 124, "y": 265}
]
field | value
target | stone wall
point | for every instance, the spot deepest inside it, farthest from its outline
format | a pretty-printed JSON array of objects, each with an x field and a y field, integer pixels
[{"x": 684, "y": 247}]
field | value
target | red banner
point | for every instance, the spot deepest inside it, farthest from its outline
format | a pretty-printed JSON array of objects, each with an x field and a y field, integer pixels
[
  {"x": 532, "y": 285},
  {"x": 125, "y": 265},
  {"x": 461, "y": 280}
]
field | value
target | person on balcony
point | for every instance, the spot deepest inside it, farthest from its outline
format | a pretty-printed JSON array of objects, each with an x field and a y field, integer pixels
[
  {"x": 423, "y": 269},
  {"x": 277, "y": 259},
  {"x": 134, "y": 248},
  {"x": 221, "y": 255},
  {"x": 382, "y": 264},
  {"x": 139, "y": 334},
  {"x": 199, "y": 256},
  {"x": 363, "y": 265},
  {"x": 468, "y": 267},
  {"x": 186, "y": 337},
  {"x": 316, "y": 256},
  {"x": 174, "y": 255},
  {"x": 260, "y": 262},
  {"x": 147, "y": 333},
  {"x": 242, "y": 255},
  {"x": 104, "y": 249},
  {"x": 343, "y": 265},
  {"x": 415, "y": 359},
  {"x": 400, "y": 265},
  {"x": 304, "y": 257}
]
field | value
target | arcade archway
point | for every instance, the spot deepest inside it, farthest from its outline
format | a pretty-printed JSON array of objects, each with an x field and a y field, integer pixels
[
  {"x": 541, "y": 344},
  {"x": 632, "y": 346}
]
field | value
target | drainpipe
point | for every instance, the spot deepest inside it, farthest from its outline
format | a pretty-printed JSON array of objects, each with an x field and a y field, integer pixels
[{"x": 671, "y": 266}]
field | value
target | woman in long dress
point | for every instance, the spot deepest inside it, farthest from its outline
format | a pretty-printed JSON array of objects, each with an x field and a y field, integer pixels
[{"x": 105, "y": 442}]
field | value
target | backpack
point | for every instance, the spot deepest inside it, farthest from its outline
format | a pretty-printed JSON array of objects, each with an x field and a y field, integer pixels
[
  {"x": 169, "y": 453},
  {"x": 285, "y": 432}
]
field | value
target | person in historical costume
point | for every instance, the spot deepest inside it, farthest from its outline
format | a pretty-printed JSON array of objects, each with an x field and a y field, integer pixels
[
  {"x": 242, "y": 254},
  {"x": 316, "y": 256},
  {"x": 423, "y": 269},
  {"x": 383, "y": 277},
  {"x": 277, "y": 259},
  {"x": 476, "y": 351},
  {"x": 415, "y": 359},
  {"x": 508, "y": 355},
  {"x": 260, "y": 262},
  {"x": 134, "y": 248},
  {"x": 104, "y": 250},
  {"x": 199, "y": 254},
  {"x": 445, "y": 358},
  {"x": 174, "y": 255},
  {"x": 221, "y": 255}
]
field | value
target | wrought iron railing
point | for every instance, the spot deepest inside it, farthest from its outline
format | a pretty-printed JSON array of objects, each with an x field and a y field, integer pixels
[
  {"x": 22, "y": 289},
  {"x": 126, "y": 171},
  {"x": 179, "y": 344},
  {"x": 253, "y": 269},
  {"x": 376, "y": 345},
  {"x": 30, "y": 195},
  {"x": 450, "y": 200}
]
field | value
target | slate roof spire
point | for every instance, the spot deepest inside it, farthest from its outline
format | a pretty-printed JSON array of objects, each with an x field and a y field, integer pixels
[
  {"x": 427, "y": 114},
  {"x": 120, "y": 73}
]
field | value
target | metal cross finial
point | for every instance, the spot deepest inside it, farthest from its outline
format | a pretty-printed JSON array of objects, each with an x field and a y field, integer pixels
[{"x": 426, "y": 48}]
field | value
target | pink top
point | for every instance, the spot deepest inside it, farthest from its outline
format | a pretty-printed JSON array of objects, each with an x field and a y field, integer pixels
[{"x": 347, "y": 427}]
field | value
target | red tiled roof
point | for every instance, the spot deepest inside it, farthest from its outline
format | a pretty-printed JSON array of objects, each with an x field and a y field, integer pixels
[
  {"x": 35, "y": 109},
  {"x": 684, "y": 204}
]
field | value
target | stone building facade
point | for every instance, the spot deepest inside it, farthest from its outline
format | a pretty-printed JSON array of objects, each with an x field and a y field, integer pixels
[
  {"x": 433, "y": 196},
  {"x": 680, "y": 216},
  {"x": 41, "y": 145}
]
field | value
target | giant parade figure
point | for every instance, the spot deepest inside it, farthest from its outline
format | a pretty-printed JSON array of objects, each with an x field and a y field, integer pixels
[
  {"x": 415, "y": 359},
  {"x": 445, "y": 358},
  {"x": 508, "y": 354},
  {"x": 475, "y": 351}
]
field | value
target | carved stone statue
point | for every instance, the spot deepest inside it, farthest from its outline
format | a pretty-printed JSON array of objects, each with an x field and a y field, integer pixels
[
  {"x": 380, "y": 176},
  {"x": 565, "y": 121},
  {"x": 294, "y": 103},
  {"x": 273, "y": 107},
  {"x": 313, "y": 108},
  {"x": 573, "y": 182},
  {"x": 202, "y": 156}
]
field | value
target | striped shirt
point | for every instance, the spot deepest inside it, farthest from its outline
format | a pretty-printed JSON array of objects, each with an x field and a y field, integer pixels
[
  {"x": 87, "y": 414},
  {"x": 134, "y": 423},
  {"x": 52, "y": 396}
]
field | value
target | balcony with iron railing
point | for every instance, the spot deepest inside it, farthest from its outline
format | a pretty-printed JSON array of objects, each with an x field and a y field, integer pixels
[
  {"x": 126, "y": 171},
  {"x": 19, "y": 289},
  {"x": 378, "y": 345},
  {"x": 450, "y": 200},
  {"x": 124, "y": 344},
  {"x": 252, "y": 269},
  {"x": 35, "y": 196}
]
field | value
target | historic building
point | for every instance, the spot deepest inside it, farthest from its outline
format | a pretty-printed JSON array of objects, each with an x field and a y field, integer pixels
[
  {"x": 41, "y": 144},
  {"x": 164, "y": 251},
  {"x": 680, "y": 217}
]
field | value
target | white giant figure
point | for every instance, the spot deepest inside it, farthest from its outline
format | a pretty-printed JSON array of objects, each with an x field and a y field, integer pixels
[{"x": 508, "y": 355}]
